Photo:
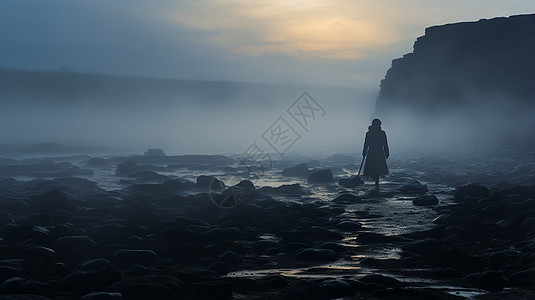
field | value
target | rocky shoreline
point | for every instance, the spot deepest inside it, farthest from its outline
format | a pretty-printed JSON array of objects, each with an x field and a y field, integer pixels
[{"x": 68, "y": 238}]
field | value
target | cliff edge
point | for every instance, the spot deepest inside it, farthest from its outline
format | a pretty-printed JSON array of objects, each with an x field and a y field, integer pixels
[
  {"x": 464, "y": 64},
  {"x": 470, "y": 82}
]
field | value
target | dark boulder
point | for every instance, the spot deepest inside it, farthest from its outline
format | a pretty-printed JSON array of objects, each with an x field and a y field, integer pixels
[
  {"x": 73, "y": 242},
  {"x": 332, "y": 289},
  {"x": 300, "y": 170},
  {"x": 348, "y": 225},
  {"x": 147, "y": 175},
  {"x": 266, "y": 245},
  {"x": 11, "y": 269},
  {"x": 128, "y": 257},
  {"x": 285, "y": 189},
  {"x": 470, "y": 190},
  {"x": 16, "y": 233},
  {"x": 311, "y": 254},
  {"x": 230, "y": 257},
  {"x": 162, "y": 287},
  {"x": 222, "y": 234},
  {"x": 290, "y": 189},
  {"x": 413, "y": 187},
  {"x": 526, "y": 191},
  {"x": 351, "y": 182},
  {"x": 524, "y": 278},
  {"x": 347, "y": 198},
  {"x": 75, "y": 249},
  {"x": 373, "y": 238},
  {"x": 425, "y": 247},
  {"x": 169, "y": 186},
  {"x": 302, "y": 289},
  {"x": 336, "y": 247},
  {"x": 529, "y": 223},
  {"x": 219, "y": 267},
  {"x": 236, "y": 194},
  {"x": 137, "y": 270},
  {"x": 127, "y": 168},
  {"x": 37, "y": 253},
  {"x": 54, "y": 199},
  {"x": 380, "y": 280},
  {"x": 500, "y": 259},
  {"x": 442, "y": 219},
  {"x": 96, "y": 162},
  {"x": 17, "y": 285},
  {"x": 490, "y": 281},
  {"x": 210, "y": 183},
  {"x": 425, "y": 200},
  {"x": 294, "y": 247},
  {"x": 80, "y": 282},
  {"x": 371, "y": 262},
  {"x": 321, "y": 233},
  {"x": 443, "y": 273},
  {"x": 246, "y": 184},
  {"x": 218, "y": 289},
  {"x": 75, "y": 186},
  {"x": 320, "y": 176},
  {"x": 276, "y": 281},
  {"x": 243, "y": 188},
  {"x": 154, "y": 152},
  {"x": 457, "y": 259},
  {"x": 95, "y": 264},
  {"x": 102, "y": 296}
]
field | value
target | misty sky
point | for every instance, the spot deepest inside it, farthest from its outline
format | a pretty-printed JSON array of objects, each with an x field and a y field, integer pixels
[{"x": 338, "y": 42}]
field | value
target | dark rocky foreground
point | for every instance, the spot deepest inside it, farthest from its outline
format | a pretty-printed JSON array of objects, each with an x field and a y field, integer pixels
[{"x": 164, "y": 237}]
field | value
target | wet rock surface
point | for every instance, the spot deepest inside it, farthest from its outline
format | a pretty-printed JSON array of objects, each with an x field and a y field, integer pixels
[
  {"x": 350, "y": 182},
  {"x": 320, "y": 176},
  {"x": 418, "y": 236}
]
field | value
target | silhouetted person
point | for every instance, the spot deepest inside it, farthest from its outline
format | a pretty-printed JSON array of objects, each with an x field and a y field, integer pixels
[{"x": 376, "y": 150}]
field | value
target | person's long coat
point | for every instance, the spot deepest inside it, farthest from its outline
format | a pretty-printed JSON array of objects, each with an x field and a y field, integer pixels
[{"x": 376, "y": 150}]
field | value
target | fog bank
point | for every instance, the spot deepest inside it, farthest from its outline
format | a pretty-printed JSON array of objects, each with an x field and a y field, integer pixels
[{"x": 181, "y": 116}]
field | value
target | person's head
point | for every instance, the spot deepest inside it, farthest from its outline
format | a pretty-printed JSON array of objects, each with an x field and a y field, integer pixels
[{"x": 376, "y": 123}]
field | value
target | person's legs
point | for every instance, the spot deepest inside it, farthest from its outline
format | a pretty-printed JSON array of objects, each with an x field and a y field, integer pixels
[{"x": 376, "y": 178}]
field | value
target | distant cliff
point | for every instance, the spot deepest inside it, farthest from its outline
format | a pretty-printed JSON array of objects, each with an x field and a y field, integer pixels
[
  {"x": 464, "y": 65},
  {"x": 29, "y": 87}
]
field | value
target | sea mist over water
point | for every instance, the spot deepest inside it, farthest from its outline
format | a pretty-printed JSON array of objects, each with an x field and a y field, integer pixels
[
  {"x": 191, "y": 117},
  {"x": 230, "y": 122},
  {"x": 493, "y": 126},
  {"x": 465, "y": 86}
]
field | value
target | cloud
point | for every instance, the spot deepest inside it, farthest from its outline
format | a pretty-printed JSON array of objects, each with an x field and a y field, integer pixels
[
  {"x": 342, "y": 42},
  {"x": 307, "y": 29}
]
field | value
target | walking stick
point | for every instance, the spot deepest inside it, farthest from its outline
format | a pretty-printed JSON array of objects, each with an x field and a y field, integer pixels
[{"x": 363, "y": 158}]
